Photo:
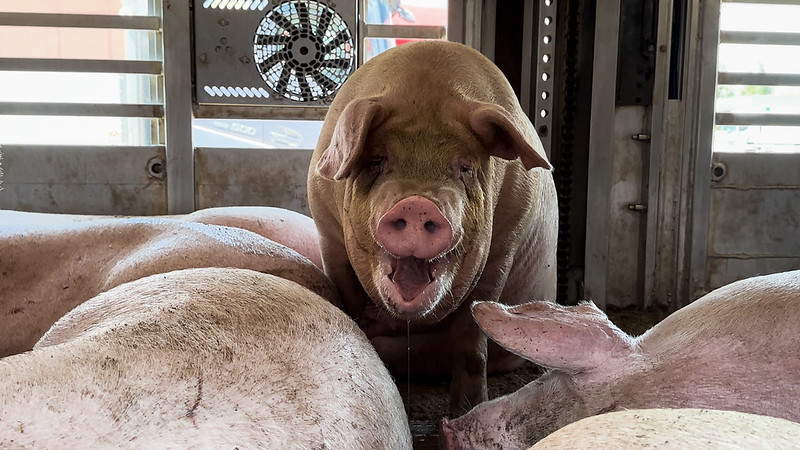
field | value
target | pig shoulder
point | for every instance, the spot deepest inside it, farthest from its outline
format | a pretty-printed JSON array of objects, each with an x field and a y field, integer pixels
[
  {"x": 204, "y": 357},
  {"x": 675, "y": 428}
]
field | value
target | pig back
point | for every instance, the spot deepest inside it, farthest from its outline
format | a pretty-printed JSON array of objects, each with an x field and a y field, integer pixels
[
  {"x": 675, "y": 428},
  {"x": 205, "y": 357},
  {"x": 755, "y": 313}
]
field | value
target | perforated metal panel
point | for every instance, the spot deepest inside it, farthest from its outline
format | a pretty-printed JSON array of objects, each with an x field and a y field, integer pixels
[{"x": 275, "y": 53}]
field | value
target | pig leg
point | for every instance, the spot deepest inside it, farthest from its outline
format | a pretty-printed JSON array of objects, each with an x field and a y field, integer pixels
[
  {"x": 426, "y": 351},
  {"x": 468, "y": 385}
]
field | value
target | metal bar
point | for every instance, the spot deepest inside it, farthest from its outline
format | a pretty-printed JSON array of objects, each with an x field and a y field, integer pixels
[
  {"x": 770, "y": 2},
  {"x": 80, "y": 65},
  {"x": 405, "y": 31},
  {"x": 759, "y": 38},
  {"x": 542, "y": 111},
  {"x": 208, "y": 111},
  {"x": 80, "y": 109},
  {"x": 702, "y": 136},
  {"x": 80, "y": 21},
  {"x": 472, "y": 23},
  {"x": 759, "y": 79},
  {"x": 488, "y": 28},
  {"x": 792, "y": 120},
  {"x": 99, "y": 149},
  {"x": 656, "y": 158},
  {"x": 529, "y": 61},
  {"x": 455, "y": 20},
  {"x": 601, "y": 140},
  {"x": 178, "y": 106}
]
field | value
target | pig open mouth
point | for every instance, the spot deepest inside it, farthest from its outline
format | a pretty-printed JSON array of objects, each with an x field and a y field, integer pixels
[
  {"x": 411, "y": 276},
  {"x": 410, "y": 286}
]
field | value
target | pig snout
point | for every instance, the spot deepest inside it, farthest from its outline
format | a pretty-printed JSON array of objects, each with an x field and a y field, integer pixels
[{"x": 414, "y": 227}]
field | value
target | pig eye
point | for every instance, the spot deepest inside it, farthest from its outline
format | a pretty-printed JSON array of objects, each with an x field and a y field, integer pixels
[{"x": 377, "y": 163}]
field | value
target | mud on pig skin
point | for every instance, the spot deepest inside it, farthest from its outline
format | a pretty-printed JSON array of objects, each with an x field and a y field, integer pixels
[
  {"x": 734, "y": 349},
  {"x": 430, "y": 189},
  {"x": 202, "y": 358},
  {"x": 50, "y": 263}
]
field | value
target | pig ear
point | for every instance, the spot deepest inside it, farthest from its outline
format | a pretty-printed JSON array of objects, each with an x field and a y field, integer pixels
[
  {"x": 504, "y": 139},
  {"x": 347, "y": 142},
  {"x": 575, "y": 339}
]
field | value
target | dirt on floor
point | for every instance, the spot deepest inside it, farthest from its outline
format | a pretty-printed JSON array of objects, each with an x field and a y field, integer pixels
[{"x": 429, "y": 401}]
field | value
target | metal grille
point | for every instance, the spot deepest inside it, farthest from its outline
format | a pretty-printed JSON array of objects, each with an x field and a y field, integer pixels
[{"x": 303, "y": 50}]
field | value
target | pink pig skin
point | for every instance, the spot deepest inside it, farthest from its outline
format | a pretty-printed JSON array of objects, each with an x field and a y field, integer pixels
[
  {"x": 734, "y": 349},
  {"x": 430, "y": 189},
  {"x": 204, "y": 358},
  {"x": 50, "y": 263}
]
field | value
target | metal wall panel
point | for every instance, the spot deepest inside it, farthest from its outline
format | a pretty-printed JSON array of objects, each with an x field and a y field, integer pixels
[
  {"x": 754, "y": 219},
  {"x": 626, "y": 217},
  {"x": 83, "y": 180},
  {"x": 252, "y": 177}
]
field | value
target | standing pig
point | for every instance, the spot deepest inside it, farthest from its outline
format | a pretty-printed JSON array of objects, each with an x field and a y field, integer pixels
[
  {"x": 733, "y": 349},
  {"x": 430, "y": 189},
  {"x": 203, "y": 358}
]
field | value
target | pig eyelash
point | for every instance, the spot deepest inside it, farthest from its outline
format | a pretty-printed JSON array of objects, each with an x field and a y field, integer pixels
[{"x": 377, "y": 163}]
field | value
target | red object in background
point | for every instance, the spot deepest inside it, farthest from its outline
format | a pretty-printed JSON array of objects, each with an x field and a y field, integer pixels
[{"x": 422, "y": 16}]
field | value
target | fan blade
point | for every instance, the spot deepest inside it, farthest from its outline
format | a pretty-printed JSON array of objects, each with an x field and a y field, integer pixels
[
  {"x": 324, "y": 21},
  {"x": 283, "y": 81},
  {"x": 341, "y": 38},
  {"x": 327, "y": 84},
  {"x": 270, "y": 40},
  {"x": 305, "y": 89},
  {"x": 304, "y": 19},
  {"x": 336, "y": 63},
  {"x": 284, "y": 22},
  {"x": 267, "y": 63}
]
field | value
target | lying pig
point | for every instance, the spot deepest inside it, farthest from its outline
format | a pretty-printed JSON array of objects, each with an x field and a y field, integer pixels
[
  {"x": 431, "y": 189},
  {"x": 675, "y": 428},
  {"x": 202, "y": 358},
  {"x": 51, "y": 263},
  {"x": 733, "y": 349}
]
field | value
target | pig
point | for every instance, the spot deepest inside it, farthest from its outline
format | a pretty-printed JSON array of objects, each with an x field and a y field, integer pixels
[
  {"x": 203, "y": 358},
  {"x": 430, "y": 189},
  {"x": 733, "y": 349},
  {"x": 676, "y": 429},
  {"x": 51, "y": 263},
  {"x": 287, "y": 227}
]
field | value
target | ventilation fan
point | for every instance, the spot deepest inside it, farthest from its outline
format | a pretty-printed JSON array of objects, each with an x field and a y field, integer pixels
[{"x": 275, "y": 53}]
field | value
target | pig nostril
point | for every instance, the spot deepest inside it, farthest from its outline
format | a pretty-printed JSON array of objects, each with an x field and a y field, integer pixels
[
  {"x": 399, "y": 224},
  {"x": 431, "y": 227}
]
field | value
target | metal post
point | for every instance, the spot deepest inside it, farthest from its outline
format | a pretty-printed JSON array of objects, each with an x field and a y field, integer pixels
[
  {"x": 601, "y": 137},
  {"x": 178, "y": 106}
]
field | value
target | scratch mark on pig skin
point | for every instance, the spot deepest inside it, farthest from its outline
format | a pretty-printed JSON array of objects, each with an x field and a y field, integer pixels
[{"x": 191, "y": 412}]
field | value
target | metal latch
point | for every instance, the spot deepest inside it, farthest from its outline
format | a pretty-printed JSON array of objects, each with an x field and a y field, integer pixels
[
  {"x": 641, "y": 137},
  {"x": 637, "y": 207}
]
